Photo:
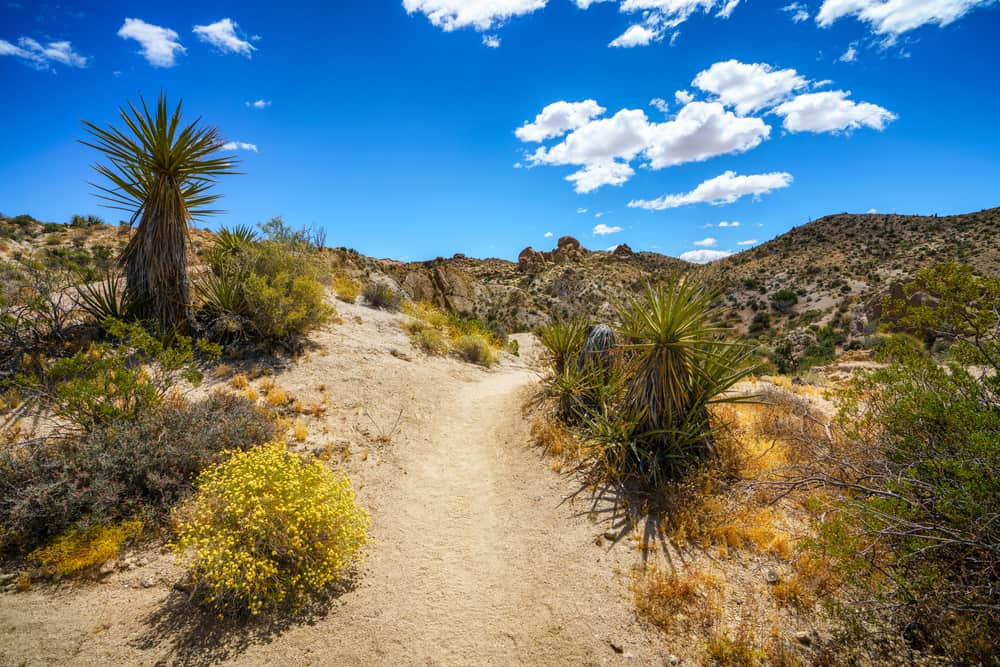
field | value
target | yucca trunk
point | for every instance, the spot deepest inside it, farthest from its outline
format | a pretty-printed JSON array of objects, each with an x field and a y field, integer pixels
[{"x": 155, "y": 260}]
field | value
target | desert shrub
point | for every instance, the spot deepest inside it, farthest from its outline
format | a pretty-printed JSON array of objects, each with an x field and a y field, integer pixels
[
  {"x": 383, "y": 296},
  {"x": 920, "y": 501},
  {"x": 783, "y": 299},
  {"x": 284, "y": 308},
  {"x": 432, "y": 341},
  {"x": 476, "y": 348},
  {"x": 346, "y": 288},
  {"x": 267, "y": 292},
  {"x": 761, "y": 322},
  {"x": 266, "y": 528},
  {"x": 79, "y": 550},
  {"x": 136, "y": 464},
  {"x": 564, "y": 340},
  {"x": 115, "y": 381}
]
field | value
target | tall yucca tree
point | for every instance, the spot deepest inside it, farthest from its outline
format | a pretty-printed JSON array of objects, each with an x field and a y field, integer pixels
[{"x": 160, "y": 173}]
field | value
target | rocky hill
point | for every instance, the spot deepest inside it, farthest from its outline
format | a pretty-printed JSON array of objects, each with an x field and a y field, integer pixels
[{"x": 819, "y": 285}]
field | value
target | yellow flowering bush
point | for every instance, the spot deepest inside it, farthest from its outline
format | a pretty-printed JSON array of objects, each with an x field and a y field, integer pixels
[
  {"x": 76, "y": 550},
  {"x": 266, "y": 527}
]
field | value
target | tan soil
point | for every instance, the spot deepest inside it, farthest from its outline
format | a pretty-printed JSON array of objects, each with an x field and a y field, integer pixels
[{"x": 478, "y": 558}]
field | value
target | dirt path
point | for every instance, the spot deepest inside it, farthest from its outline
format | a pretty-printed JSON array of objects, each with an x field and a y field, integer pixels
[{"x": 477, "y": 559}]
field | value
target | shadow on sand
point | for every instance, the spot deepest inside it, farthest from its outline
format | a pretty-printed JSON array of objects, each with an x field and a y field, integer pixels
[{"x": 187, "y": 634}]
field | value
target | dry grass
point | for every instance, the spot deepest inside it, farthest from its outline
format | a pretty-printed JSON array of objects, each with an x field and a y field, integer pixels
[
  {"x": 239, "y": 381},
  {"x": 221, "y": 371},
  {"x": 300, "y": 430},
  {"x": 688, "y": 599}
]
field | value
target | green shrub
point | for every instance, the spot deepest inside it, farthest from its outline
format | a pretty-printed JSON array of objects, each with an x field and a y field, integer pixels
[
  {"x": 267, "y": 291},
  {"x": 383, "y": 296},
  {"x": 477, "y": 348},
  {"x": 135, "y": 464},
  {"x": 266, "y": 529},
  {"x": 431, "y": 341},
  {"x": 921, "y": 462},
  {"x": 346, "y": 288},
  {"x": 783, "y": 299}
]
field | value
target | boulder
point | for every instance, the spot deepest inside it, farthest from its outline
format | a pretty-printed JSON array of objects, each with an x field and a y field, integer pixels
[
  {"x": 568, "y": 249},
  {"x": 530, "y": 260},
  {"x": 622, "y": 250}
]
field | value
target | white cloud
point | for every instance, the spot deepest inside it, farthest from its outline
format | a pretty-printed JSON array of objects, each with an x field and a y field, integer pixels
[
  {"x": 734, "y": 223},
  {"x": 479, "y": 14},
  {"x": 548, "y": 235},
  {"x": 723, "y": 189},
  {"x": 612, "y": 248},
  {"x": 872, "y": 210},
  {"x": 599, "y": 214},
  {"x": 222, "y": 35},
  {"x": 850, "y": 55},
  {"x": 239, "y": 146},
  {"x": 602, "y": 229},
  {"x": 581, "y": 210},
  {"x": 491, "y": 41},
  {"x": 598, "y": 174},
  {"x": 831, "y": 111},
  {"x": 41, "y": 57},
  {"x": 258, "y": 104},
  {"x": 894, "y": 17},
  {"x": 559, "y": 118},
  {"x": 636, "y": 35},
  {"x": 660, "y": 104},
  {"x": 605, "y": 147},
  {"x": 706, "y": 242},
  {"x": 683, "y": 97},
  {"x": 798, "y": 11},
  {"x": 159, "y": 45},
  {"x": 704, "y": 256},
  {"x": 748, "y": 242},
  {"x": 748, "y": 87}
]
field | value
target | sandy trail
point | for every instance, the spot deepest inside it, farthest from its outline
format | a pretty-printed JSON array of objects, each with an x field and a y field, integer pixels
[{"x": 477, "y": 558}]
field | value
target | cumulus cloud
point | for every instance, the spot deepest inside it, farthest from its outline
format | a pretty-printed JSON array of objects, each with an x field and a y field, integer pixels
[
  {"x": 557, "y": 119},
  {"x": 602, "y": 229},
  {"x": 41, "y": 57},
  {"x": 599, "y": 214},
  {"x": 636, "y": 35},
  {"x": 599, "y": 174},
  {"x": 723, "y": 189},
  {"x": 605, "y": 147},
  {"x": 748, "y": 242},
  {"x": 581, "y": 210},
  {"x": 798, "y": 11},
  {"x": 159, "y": 45},
  {"x": 239, "y": 146},
  {"x": 481, "y": 15},
  {"x": 492, "y": 41},
  {"x": 831, "y": 111},
  {"x": 704, "y": 256},
  {"x": 258, "y": 104},
  {"x": 548, "y": 235},
  {"x": 760, "y": 87},
  {"x": 748, "y": 87},
  {"x": 707, "y": 242},
  {"x": 894, "y": 17},
  {"x": 734, "y": 223},
  {"x": 222, "y": 35},
  {"x": 660, "y": 104},
  {"x": 683, "y": 97}
]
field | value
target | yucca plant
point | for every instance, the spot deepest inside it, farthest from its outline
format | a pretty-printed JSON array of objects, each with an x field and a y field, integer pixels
[
  {"x": 679, "y": 364},
  {"x": 104, "y": 299},
  {"x": 160, "y": 173},
  {"x": 231, "y": 242},
  {"x": 564, "y": 339}
]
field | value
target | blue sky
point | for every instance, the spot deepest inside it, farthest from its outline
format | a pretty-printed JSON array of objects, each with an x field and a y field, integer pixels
[{"x": 417, "y": 128}]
